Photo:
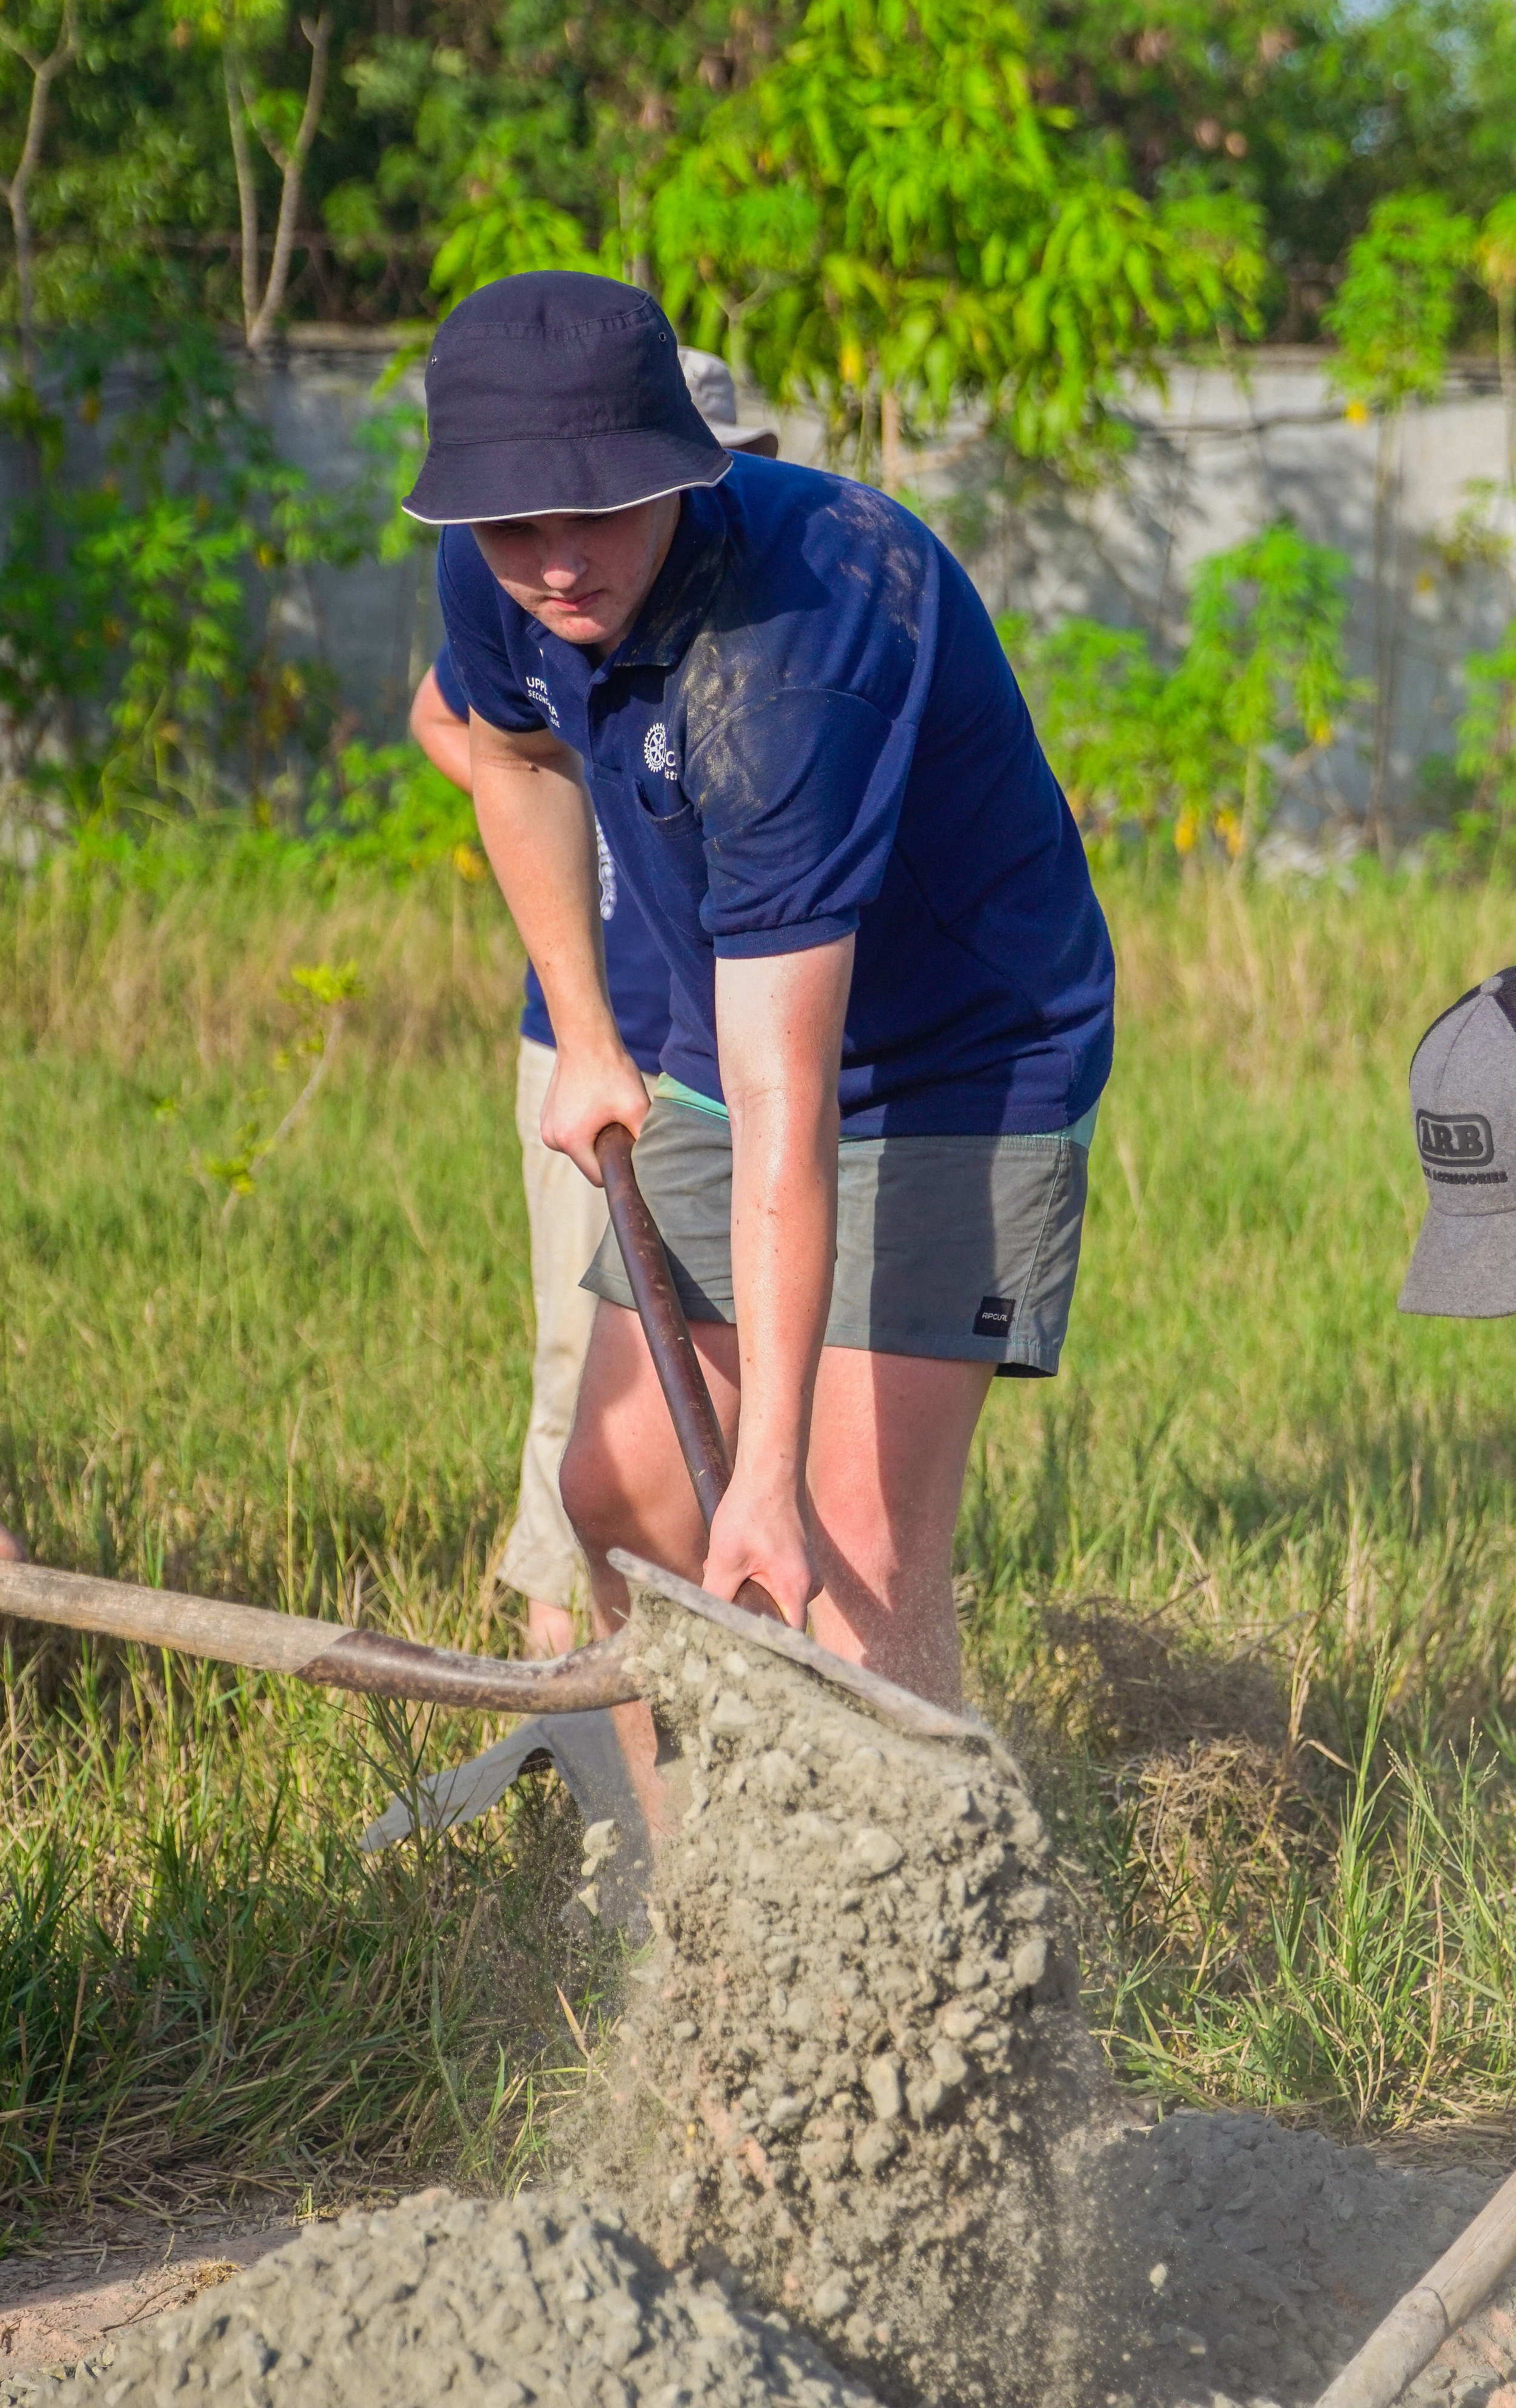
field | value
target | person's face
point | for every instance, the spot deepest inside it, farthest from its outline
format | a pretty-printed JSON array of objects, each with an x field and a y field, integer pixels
[{"x": 585, "y": 578}]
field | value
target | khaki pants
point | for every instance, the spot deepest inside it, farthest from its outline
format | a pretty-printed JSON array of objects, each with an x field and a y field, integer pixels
[{"x": 566, "y": 1219}]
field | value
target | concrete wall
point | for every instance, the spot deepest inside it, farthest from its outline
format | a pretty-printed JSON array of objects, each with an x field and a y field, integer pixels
[
  {"x": 1215, "y": 459},
  {"x": 1219, "y": 459}
]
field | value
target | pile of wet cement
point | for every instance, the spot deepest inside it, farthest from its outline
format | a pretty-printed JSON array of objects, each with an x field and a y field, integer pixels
[
  {"x": 1279, "y": 2250},
  {"x": 481, "y": 2305},
  {"x": 852, "y": 2060}
]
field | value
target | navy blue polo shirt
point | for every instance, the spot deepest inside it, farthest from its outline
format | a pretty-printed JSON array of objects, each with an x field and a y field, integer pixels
[
  {"x": 636, "y": 972},
  {"x": 813, "y": 730}
]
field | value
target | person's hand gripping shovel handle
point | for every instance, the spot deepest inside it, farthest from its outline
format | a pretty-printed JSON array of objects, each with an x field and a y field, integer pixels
[{"x": 667, "y": 1333}]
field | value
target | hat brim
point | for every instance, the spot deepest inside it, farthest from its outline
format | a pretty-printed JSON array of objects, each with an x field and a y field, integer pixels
[
  {"x": 761, "y": 441},
  {"x": 1464, "y": 1267},
  {"x": 464, "y": 484}
]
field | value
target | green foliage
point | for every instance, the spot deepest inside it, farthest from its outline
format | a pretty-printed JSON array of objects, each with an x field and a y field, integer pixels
[
  {"x": 888, "y": 212},
  {"x": 1494, "y": 249},
  {"x": 1309, "y": 115},
  {"x": 386, "y": 808},
  {"x": 134, "y": 669},
  {"x": 1397, "y": 307},
  {"x": 1197, "y": 752},
  {"x": 1478, "y": 839},
  {"x": 496, "y": 227}
]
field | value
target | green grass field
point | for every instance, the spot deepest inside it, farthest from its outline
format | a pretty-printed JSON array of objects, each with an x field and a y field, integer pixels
[{"x": 1243, "y": 1579}]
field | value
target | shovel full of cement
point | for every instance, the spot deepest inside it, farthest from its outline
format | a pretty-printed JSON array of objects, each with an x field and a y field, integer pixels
[{"x": 583, "y": 1746}]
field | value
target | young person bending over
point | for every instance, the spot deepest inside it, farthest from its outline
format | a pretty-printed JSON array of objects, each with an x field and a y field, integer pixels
[
  {"x": 892, "y": 985},
  {"x": 565, "y": 1216}
]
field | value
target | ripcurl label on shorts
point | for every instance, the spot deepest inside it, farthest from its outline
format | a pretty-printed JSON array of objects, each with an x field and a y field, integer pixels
[{"x": 994, "y": 1317}]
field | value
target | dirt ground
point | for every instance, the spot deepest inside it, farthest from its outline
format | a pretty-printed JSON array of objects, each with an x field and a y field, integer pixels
[{"x": 65, "y": 2297}]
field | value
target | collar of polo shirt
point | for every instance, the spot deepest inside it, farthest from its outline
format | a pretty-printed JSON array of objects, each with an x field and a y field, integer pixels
[{"x": 682, "y": 592}]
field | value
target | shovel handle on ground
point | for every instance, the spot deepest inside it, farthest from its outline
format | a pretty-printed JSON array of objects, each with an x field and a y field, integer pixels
[
  {"x": 1418, "y": 2325},
  {"x": 702, "y": 1439}
]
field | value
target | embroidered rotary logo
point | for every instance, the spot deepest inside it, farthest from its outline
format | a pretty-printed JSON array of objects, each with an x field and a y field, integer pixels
[{"x": 658, "y": 753}]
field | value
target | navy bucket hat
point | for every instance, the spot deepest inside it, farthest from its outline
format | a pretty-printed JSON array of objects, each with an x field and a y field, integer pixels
[{"x": 556, "y": 392}]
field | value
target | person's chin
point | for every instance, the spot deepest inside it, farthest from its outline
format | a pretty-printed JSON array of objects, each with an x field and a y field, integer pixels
[{"x": 580, "y": 626}]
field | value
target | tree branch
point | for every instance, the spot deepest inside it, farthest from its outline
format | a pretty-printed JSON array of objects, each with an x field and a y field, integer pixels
[
  {"x": 14, "y": 187},
  {"x": 320, "y": 37},
  {"x": 247, "y": 186}
]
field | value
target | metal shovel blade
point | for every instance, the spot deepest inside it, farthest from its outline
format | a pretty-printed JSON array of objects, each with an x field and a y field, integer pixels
[{"x": 587, "y": 1756}]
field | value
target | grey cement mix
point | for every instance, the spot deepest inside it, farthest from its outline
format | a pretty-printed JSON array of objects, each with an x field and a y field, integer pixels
[
  {"x": 850, "y": 2060},
  {"x": 849, "y": 2107},
  {"x": 1232, "y": 2264},
  {"x": 484, "y": 2306}
]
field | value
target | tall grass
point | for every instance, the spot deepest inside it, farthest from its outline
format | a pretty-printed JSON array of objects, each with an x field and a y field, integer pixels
[
  {"x": 1254, "y": 1559},
  {"x": 314, "y": 1402},
  {"x": 1244, "y": 1575}
]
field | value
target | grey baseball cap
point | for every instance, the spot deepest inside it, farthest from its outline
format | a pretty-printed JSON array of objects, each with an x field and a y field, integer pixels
[{"x": 1463, "y": 1102}]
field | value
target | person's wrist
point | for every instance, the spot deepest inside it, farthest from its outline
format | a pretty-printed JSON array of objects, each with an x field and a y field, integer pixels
[
  {"x": 767, "y": 1473},
  {"x": 592, "y": 1048}
]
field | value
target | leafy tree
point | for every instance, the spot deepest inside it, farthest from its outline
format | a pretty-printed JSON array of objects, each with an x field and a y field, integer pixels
[
  {"x": 44, "y": 63},
  {"x": 888, "y": 221},
  {"x": 496, "y": 227},
  {"x": 1308, "y": 110},
  {"x": 1199, "y": 752},
  {"x": 1393, "y": 318}
]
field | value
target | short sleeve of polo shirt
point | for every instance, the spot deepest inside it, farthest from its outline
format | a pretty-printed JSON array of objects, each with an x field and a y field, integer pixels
[
  {"x": 799, "y": 798},
  {"x": 481, "y": 660},
  {"x": 448, "y": 683}
]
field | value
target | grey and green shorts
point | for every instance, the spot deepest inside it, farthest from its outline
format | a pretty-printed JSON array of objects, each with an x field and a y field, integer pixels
[{"x": 963, "y": 1248}]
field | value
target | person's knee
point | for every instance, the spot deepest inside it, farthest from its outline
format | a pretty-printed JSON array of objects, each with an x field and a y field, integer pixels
[{"x": 591, "y": 1491}]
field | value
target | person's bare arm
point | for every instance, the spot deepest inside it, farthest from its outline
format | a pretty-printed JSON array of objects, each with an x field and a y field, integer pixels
[
  {"x": 537, "y": 826},
  {"x": 441, "y": 735},
  {"x": 779, "y": 1026}
]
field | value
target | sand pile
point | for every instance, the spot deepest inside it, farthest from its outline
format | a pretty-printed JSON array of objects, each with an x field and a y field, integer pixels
[
  {"x": 481, "y": 2306},
  {"x": 852, "y": 2058}
]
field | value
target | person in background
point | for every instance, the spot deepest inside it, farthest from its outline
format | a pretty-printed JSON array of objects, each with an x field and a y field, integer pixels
[
  {"x": 565, "y": 1216},
  {"x": 11, "y": 1549},
  {"x": 1463, "y": 1109}
]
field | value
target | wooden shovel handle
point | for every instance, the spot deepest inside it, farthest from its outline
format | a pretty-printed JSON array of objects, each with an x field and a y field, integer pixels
[{"x": 702, "y": 1441}]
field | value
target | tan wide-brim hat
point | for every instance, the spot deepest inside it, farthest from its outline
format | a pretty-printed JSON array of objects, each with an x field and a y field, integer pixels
[{"x": 713, "y": 393}]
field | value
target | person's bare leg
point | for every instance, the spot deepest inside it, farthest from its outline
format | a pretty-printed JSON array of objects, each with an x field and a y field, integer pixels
[
  {"x": 550, "y": 1629},
  {"x": 889, "y": 1441},
  {"x": 12, "y": 1550},
  {"x": 624, "y": 1485}
]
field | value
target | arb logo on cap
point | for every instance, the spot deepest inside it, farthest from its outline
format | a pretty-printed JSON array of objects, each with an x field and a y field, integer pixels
[{"x": 1462, "y": 1143}]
